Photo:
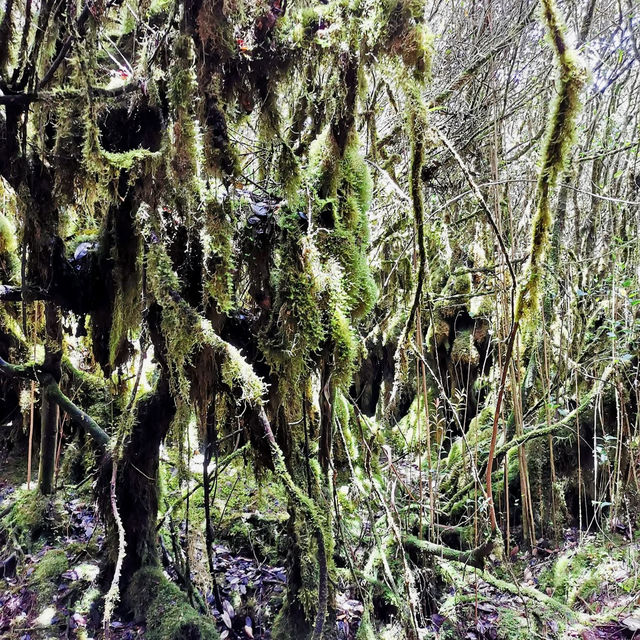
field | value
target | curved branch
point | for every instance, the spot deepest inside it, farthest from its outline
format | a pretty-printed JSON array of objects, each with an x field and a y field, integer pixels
[{"x": 76, "y": 415}]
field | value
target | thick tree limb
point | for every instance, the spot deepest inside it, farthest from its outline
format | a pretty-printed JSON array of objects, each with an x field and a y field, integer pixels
[
  {"x": 9, "y": 293},
  {"x": 25, "y": 99},
  {"x": 474, "y": 558},
  {"x": 29, "y": 371},
  {"x": 77, "y": 415}
]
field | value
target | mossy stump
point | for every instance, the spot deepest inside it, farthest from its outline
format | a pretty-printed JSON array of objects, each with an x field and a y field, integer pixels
[{"x": 165, "y": 608}]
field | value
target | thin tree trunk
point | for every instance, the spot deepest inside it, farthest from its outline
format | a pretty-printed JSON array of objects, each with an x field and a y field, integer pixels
[{"x": 48, "y": 438}]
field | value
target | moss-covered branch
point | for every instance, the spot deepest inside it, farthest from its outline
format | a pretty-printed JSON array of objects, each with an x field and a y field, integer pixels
[
  {"x": 474, "y": 558},
  {"x": 555, "y": 151},
  {"x": 76, "y": 415},
  {"x": 29, "y": 371}
]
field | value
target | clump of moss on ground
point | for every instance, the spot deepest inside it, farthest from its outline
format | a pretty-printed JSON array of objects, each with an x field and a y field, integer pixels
[
  {"x": 47, "y": 572},
  {"x": 30, "y": 517},
  {"x": 166, "y": 609}
]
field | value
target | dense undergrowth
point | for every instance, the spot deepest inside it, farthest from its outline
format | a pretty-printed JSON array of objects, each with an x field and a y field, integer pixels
[{"x": 319, "y": 320}]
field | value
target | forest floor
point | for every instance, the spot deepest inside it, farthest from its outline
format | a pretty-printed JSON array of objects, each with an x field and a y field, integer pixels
[{"x": 588, "y": 587}]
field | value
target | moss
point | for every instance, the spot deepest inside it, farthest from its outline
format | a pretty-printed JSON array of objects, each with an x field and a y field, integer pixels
[
  {"x": 598, "y": 565},
  {"x": 168, "y": 614},
  {"x": 438, "y": 332},
  {"x": 90, "y": 596},
  {"x": 185, "y": 329},
  {"x": 127, "y": 316},
  {"x": 50, "y": 567},
  {"x": 513, "y": 626},
  {"x": 29, "y": 516},
  {"x": 463, "y": 351},
  {"x": 8, "y": 242},
  {"x": 343, "y": 186},
  {"x": 482, "y": 306},
  {"x": 237, "y": 373},
  {"x": 217, "y": 241},
  {"x": 556, "y": 150},
  {"x": 455, "y": 295},
  {"x": 9, "y": 261},
  {"x": 46, "y": 574}
]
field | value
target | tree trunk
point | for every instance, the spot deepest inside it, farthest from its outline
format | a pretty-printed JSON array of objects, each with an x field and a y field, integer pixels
[
  {"x": 49, "y": 411},
  {"x": 48, "y": 437}
]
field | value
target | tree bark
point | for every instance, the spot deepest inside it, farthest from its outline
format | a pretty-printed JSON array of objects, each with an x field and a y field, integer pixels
[{"x": 48, "y": 437}]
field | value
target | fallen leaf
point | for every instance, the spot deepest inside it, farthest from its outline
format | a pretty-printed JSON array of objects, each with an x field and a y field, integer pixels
[{"x": 632, "y": 623}]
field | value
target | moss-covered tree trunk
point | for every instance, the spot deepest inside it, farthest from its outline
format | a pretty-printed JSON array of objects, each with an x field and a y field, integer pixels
[{"x": 137, "y": 486}]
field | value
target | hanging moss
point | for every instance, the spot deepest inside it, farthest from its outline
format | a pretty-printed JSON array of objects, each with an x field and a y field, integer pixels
[
  {"x": 556, "y": 150},
  {"x": 343, "y": 186},
  {"x": 219, "y": 259}
]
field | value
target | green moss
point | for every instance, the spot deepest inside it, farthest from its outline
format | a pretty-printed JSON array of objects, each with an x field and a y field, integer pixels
[
  {"x": 237, "y": 373},
  {"x": 50, "y": 566},
  {"x": 46, "y": 574},
  {"x": 89, "y": 597},
  {"x": 463, "y": 351},
  {"x": 455, "y": 295},
  {"x": 9, "y": 261},
  {"x": 29, "y": 516},
  {"x": 217, "y": 241},
  {"x": 555, "y": 151},
  {"x": 438, "y": 332},
  {"x": 168, "y": 614},
  {"x": 8, "y": 242},
  {"x": 343, "y": 186},
  {"x": 512, "y": 626},
  {"x": 482, "y": 306},
  {"x": 582, "y": 574}
]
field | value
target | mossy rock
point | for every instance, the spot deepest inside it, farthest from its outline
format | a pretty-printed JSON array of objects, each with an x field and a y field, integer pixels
[
  {"x": 464, "y": 350},
  {"x": 165, "y": 608},
  {"x": 438, "y": 332},
  {"x": 47, "y": 573},
  {"x": 455, "y": 295}
]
